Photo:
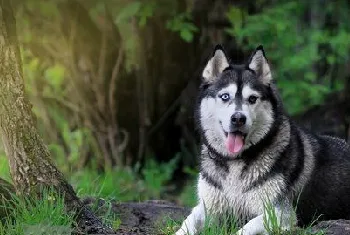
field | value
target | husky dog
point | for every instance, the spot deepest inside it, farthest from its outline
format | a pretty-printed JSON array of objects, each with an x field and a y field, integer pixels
[{"x": 252, "y": 153}]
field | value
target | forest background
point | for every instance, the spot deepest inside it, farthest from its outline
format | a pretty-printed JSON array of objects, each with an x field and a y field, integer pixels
[{"x": 113, "y": 82}]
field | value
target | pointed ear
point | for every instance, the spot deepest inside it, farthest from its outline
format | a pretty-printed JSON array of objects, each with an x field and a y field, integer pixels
[
  {"x": 259, "y": 64},
  {"x": 215, "y": 65}
]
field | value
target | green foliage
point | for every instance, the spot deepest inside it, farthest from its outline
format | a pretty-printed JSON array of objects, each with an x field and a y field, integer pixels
[
  {"x": 41, "y": 78},
  {"x": 54, "y": 75},
  {"x": 294, "y": 47},
  {"x": 48, "y": 9},
  {"x": 125, "y": 184},
  {"x": 47, "y": 89},
  {"x": 141, "y": 10},
  {"x": 156, "y": 175},
  {"x": 74, "y": 141},
  {"x": 146, "y": 11},
  {"x": 34, "y": 216},
  {"x": 181, "y": 23},
  {"x": 129, "y": 11}
]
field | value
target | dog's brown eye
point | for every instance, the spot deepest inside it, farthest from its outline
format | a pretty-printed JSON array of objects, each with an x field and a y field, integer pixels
[{"x": 252, "y": 99}]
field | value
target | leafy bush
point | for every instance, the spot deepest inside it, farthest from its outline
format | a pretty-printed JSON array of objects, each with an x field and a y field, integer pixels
[
  {"x": 68, "y": 141},
  {"x": 182, "y": 24},
  {"x": 297, "y": 46},
  {"x": 125, "y": 184},
  {"x": 156, "y": 175}
]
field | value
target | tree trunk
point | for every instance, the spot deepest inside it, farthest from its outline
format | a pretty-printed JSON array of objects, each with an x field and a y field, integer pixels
[{"x": 30, "y": 163}]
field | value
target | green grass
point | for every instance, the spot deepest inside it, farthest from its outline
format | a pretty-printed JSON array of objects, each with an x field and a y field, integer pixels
[
  {"x": 228, "y": 226},
  {"x": 35, "y": 217},
  {"x": 106, "y": 214},
  {"x": 172, "y": 226},
  {"x": 272, "y": 224},
  {"x": 212, "y": 226}
]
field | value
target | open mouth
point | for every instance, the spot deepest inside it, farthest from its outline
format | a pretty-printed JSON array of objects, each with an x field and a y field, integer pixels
[{"x": 234, "y": 141}]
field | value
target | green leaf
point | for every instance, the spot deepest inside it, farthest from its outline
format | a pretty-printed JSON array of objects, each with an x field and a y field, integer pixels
[
  {"x": 186, "y": 35},
  {"x": 146, "y": 11},
  {"x": 128, "y": 11},
  {"x": 55, "y": 75},
  {"x": 331, "y": 59},
  {"x": 235, "y": 16}
]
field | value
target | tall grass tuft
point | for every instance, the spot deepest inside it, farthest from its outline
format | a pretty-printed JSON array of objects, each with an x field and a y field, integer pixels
[{"x": 38, "y": 217}]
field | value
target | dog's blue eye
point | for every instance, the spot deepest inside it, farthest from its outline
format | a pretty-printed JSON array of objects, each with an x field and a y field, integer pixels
[{"x": 225, "y": 97}]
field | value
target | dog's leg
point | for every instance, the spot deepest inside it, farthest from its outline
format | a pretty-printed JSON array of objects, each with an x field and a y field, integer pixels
[
  {"x": 286, "y": 218},
  {"x": 194, "y": 222},
  {"x": 253, "y": 227}
]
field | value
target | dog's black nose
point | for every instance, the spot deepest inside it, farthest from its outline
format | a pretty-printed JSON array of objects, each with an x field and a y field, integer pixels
[{"x": 238, "y": 119}]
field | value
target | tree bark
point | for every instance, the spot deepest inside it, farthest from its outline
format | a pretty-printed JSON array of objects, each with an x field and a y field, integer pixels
[{"x": 30, "y": 162}]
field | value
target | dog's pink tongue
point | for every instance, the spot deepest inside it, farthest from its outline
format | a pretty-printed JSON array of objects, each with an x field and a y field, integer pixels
[{"x": 234, "y": 142}]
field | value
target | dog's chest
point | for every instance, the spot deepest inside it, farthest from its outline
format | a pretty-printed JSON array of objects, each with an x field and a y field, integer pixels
[
  {"x": 235, "y": 194},
  {"x": 240, "y": 199}
]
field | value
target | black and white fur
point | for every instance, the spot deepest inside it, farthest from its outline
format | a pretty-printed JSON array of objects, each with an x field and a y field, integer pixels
[{"x": 280, "y": 162}]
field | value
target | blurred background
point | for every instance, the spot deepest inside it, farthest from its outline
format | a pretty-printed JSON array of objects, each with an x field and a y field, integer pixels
[{"x": 113, "y": 82}]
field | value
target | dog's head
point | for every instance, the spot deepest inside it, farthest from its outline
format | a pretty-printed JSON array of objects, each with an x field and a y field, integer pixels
[{"x": 236, "y": 105}]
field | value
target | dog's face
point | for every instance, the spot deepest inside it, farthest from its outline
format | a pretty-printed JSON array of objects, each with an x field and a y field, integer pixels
[{"x": 235, "y": 109}]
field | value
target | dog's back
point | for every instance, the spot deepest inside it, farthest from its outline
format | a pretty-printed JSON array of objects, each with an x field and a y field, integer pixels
[{"x": 326, "y": 195}]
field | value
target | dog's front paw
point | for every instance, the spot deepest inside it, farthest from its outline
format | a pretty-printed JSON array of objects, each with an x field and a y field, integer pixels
[
  {"x": 181, "y": 232},
  {"x": 239, "y": 232},
  {"x": 247, "y": 232}
]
